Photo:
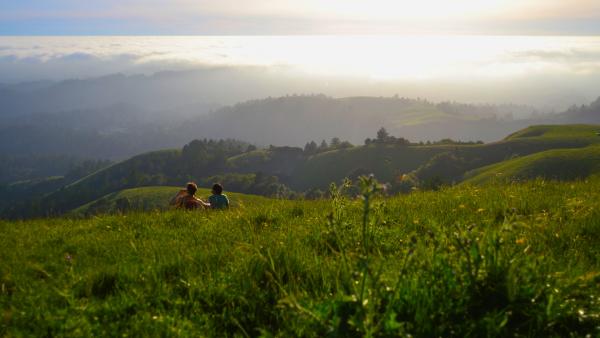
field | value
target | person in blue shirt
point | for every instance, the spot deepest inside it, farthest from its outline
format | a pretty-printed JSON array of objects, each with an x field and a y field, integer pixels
[{"x": 218, "y": 200}]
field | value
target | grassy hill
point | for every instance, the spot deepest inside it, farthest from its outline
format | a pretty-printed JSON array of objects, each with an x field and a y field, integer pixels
[
  {"x": 385, "y": 161},
  {"x": 152, "y": 198},
  {"x": 389, "y": 161},
  {"x": 146, "y": 169},
  {"x": 302, "y": 171},
  {"x": 557, "y": 164},
  {"x": 583, "y": 132},
  {"x": 494, "y": 261}
]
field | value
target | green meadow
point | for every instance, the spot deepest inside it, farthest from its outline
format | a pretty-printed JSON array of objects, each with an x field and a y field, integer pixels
[{"x": 496, "y": 260}]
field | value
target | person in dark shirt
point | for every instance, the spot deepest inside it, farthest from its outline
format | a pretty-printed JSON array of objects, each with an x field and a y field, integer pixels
[{"x": 218, "y": 200}]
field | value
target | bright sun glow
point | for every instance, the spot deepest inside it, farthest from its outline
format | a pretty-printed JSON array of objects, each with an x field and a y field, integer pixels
[
  {"x": 375, "y": 57},
  {"x": 373, "y": 10},
  {"x": 403, "y": 9}
]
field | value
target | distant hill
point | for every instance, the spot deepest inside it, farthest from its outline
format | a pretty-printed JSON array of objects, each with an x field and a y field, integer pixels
[
  {"x": 116, "y": 131},
  {"x": 118, "y": 116},
  {"x": 582, "y": 114},
  {"x": 295, "y": 120},
  {"x": 159, "y": 91},
  {"x": 114, "y": 128}
]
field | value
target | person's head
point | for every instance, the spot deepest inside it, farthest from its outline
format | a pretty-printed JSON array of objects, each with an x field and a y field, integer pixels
[
  {"x": 191, "y": 188},
  {"x": 217, "y": 189}
]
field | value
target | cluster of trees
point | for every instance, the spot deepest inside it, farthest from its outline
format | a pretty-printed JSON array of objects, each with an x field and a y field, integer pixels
[
  {"x": 208, "y": 157},
  {"x": 582, "y": 114},
  {"x": 451, "y": 142},
  {"x": 336, "y": 143},
  {"x": 383, "y": 137},
  {"x": 255, "y": 183}
]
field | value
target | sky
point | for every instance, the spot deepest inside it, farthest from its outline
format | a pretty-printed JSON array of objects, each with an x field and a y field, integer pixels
[
  {"x": 282, "y": 17},
  {"x": 524, "y": 51}
]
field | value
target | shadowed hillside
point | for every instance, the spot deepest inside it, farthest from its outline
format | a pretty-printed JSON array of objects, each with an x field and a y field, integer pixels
[
  {"x": 288, "y": 172},
  {"x": 556, "y": 164}
]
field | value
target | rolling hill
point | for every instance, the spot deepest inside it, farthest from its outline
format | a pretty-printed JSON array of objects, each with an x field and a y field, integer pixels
[
  {"x": 556, "y": 164},
  {"x": 272, "y": 170},
  {"x": 583, "y": 132},
  {"x": 390, "y": 161},
  {"x": 100, "y": 128}
]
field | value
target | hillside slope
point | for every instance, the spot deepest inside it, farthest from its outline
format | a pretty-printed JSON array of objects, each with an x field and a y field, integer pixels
[
  {"x": 302, "y": 171},
  {"x": 556, "y": 164},
  {"x": 389, "y": 161},
  {"x": 586, "y": 133}
]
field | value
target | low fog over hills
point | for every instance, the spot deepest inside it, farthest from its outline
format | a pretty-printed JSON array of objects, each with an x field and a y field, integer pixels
[
  {"x": 119, "y": 116},
  {"x": 55, "y": 124},
  {"x": 87, "y": 118}
]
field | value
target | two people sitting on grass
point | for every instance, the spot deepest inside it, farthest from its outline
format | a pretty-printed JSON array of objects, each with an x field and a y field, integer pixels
[{"x": 186, "y": 198}]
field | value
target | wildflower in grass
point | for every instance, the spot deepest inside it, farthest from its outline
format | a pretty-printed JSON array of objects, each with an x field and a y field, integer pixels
[
  {"x": 480, "y": 210},
  {"x": 68, "y": 258},
  {"x": 520, "y": 241}
]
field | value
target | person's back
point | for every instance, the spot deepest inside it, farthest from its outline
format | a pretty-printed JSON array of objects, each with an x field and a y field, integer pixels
[
  {"x": 190, "y": 202},
  {"x": 218, "y": 200},
  {"x": 186, "y": 198}
]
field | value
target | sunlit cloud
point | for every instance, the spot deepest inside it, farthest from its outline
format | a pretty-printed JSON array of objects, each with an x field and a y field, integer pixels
[{"x": 532, "y": 70}]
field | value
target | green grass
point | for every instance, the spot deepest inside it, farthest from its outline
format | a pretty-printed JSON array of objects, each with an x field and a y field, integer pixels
[
  {"x": 151, "y": 199},
  {"x": 575, "y": 131},
  {"x": 500, "y": 260},
  {"x": 560, "y": 164}
]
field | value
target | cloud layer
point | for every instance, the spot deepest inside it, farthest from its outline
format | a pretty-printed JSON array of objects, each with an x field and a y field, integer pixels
[{"x": 552, "y": 71}]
